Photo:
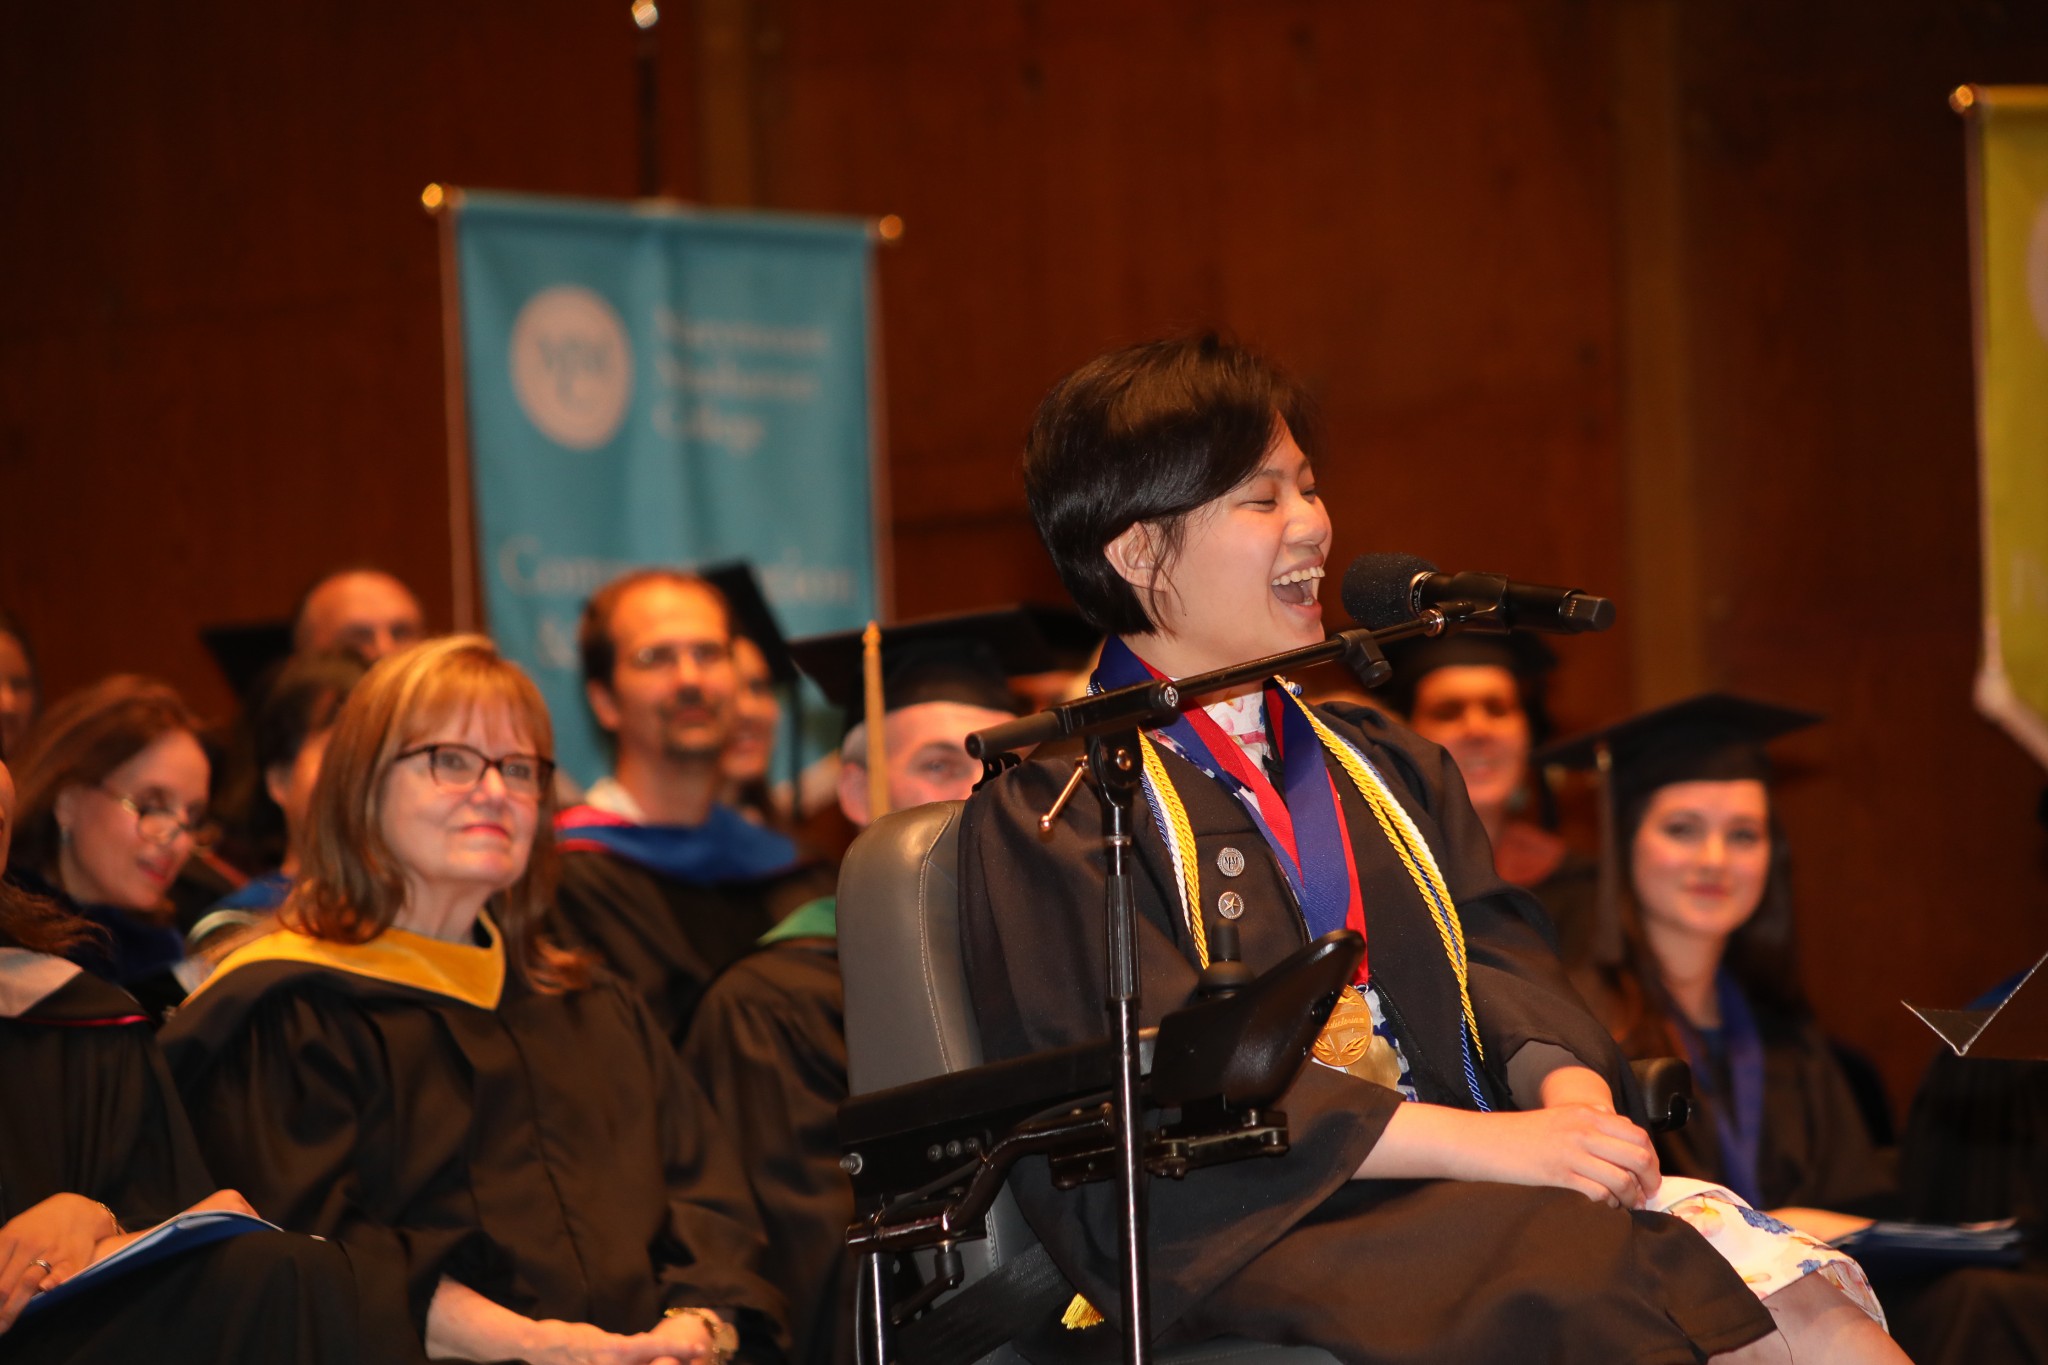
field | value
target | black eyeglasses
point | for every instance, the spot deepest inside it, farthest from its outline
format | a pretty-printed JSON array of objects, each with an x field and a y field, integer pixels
[
  {"x": 458, "y": 768},
  {"x": 159, "y": 824}
]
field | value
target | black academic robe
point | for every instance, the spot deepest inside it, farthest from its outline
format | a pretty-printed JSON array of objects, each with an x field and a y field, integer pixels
[
  {"x": 1976, "y": 1149},
  {"x": 769, "y": 1049},
  {"x": 91, "y": 1108},
  {"x": 1569, "y": 896},
  {"x": 667, "y": 938},
  {"x": 1815, "y": 1150},
  {"x": 549, "y": 1153},
  {"x": 87, "y": 1107},
  {"x": 137, "y": 952},
  {"x": 1295, "y": 1250},
  {"x": 1976, "y": 1142}
]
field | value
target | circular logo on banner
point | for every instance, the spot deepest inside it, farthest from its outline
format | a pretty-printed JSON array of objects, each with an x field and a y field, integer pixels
[
  {"x": 2037, "y": 270},
  {"x": 572, "y": 367}
]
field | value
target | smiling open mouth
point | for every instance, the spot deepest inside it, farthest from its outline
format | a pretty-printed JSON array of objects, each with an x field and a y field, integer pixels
[{"x": 1298, "y": 587}]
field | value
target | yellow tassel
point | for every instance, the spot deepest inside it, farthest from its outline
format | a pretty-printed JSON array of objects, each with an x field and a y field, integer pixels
[{"x": 1081, "y": 1315}]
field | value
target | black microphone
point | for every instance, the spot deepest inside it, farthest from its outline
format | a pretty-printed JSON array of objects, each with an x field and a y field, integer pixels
[{"x": 1382, "y": 590}]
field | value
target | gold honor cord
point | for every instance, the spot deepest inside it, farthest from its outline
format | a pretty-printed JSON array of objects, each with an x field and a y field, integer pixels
[
  {"x": 1415, "y": 856},
  {"x": 1394, "y": 823},
  {"x": 1187, "y": 868}
]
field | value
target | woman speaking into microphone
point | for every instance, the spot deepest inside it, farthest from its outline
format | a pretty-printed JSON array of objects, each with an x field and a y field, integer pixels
[{"x": 1464, "y": 1183}]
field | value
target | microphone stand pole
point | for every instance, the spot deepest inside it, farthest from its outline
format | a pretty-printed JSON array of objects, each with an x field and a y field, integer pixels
[
  {"x": 1111, "y": 722},
  {"x": 1113, "y": 759}
]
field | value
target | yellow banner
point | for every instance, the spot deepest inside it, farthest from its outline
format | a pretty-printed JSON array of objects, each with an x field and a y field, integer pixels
[{"x": 2009, "y": 186}]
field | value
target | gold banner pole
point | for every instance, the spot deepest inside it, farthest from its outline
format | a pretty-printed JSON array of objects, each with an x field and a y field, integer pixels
[
  {"x": 878, "y": 748},
  {"x": 444, "y": 203}
]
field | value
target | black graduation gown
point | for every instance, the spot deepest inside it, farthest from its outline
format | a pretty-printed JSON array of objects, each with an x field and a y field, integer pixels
[
  {"x": 548, "y": 1153},
  {"x": 1976, "y": 1148},
  {"x": 668, "y": 938},
  {"x": 87, "y": 1107},
  {"x": 92, "y": 1110},
  {"x": 1815, "y": 1150},
  {"x": 1568, "y": 896},
  {"x": 769, "y": 1049},
  {"x": 1295, "y": 1250},
  {"x": 1976, "y": 1142},
  {"x": 136, "y": 952}
]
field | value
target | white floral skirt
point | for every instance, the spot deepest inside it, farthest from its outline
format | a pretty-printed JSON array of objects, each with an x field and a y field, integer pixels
[{"x": 1768, "y": 1254}]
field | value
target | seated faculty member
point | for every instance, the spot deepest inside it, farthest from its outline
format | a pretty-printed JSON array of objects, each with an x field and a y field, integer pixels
[
  {"x": 363, "y": 610},
  {"x": 500, "y": 1138},
  {"x": 661, "y": 879},
  {"x": 114, "y": 786},
  {"x": 94, "y": 1150},
  {"x": 288, "y": 733}
]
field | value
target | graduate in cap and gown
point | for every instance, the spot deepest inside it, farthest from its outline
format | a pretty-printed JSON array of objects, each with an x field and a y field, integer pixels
[
  {"x": 769, "y": 1042},
  {"x": 662, "y": 879},
  {"x": 1465, "y": 1182},
  {"x": 499, "y": 1135},
  {"x": 1482, "y": 698},
  {"x": 1691, "y": 952},
  {"x": 94, "y": 1150}
]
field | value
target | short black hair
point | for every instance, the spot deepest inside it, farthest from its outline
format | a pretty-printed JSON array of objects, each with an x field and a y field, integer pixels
[
  {"x": 300, "y": 698},
  {"x": 1148, "y": 433}
]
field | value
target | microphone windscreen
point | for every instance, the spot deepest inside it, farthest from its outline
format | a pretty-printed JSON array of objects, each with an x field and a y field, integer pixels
[{"x": 1376, "y": 588}]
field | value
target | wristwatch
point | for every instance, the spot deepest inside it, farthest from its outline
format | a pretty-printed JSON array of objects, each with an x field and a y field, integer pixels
[{"x": 725, "y": 1338}]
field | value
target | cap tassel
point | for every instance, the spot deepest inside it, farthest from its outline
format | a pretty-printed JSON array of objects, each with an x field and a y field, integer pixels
[
  {"x": 872, "y": 716},
  {"x": 1606, "y": 946}
]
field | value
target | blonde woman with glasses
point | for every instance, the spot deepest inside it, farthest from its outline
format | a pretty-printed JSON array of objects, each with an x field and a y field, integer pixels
[{"x": 500, "y": 1138}]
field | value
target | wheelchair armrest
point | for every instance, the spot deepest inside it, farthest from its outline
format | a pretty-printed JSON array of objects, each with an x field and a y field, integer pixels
[{"x": 1666, "y": 1083}]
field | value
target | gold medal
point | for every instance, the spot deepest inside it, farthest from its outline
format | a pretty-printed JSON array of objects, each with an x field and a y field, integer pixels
[
  {"x": 1348, "y": 1033},
  {"x": 1348, "y": 1043}
]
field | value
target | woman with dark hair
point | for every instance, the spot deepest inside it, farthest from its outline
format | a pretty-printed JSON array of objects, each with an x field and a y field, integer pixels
[
  {"x": 287, "y": 738},
  {"x": 750, "y": 748},
  {"x": 113, "y": 784},
  {"x": 1461, "y": 1184},
  {"x": 408, "y": 1068},
  {"x": 1692, "y": 953},
  {"x": 18, "y": 687},
  {"x": 94, "y": 1142}
]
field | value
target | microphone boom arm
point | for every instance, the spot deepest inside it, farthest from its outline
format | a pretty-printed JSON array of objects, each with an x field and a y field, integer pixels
[{"x": 1148, "y": 705}]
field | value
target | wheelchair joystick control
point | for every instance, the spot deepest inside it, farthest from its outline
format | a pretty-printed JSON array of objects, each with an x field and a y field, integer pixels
[{"x": 1226, "y": 973}]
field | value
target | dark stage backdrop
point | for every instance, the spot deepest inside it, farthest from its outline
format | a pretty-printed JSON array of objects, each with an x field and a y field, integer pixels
[{"x": 1665, "y": 301}]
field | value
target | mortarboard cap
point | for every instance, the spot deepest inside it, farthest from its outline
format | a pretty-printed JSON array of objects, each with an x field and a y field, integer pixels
[
  {"x": 1713, "y": 737},
  {"x": 1520, "y": 653},
  {"x": 246, "y": 654},
  {"x": 968, "y": 657},
  {"x": 752, "y": 616}
]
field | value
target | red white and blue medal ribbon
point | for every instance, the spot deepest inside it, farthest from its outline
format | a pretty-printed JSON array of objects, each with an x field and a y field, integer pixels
[{"x": 1304, "y": 827}]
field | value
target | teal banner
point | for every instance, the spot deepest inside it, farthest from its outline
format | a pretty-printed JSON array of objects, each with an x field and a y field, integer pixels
[{"x": 661, "y": 386}]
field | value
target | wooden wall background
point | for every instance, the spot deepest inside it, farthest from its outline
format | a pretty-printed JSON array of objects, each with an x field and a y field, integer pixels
[{"x": 1666, "y": 300}]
